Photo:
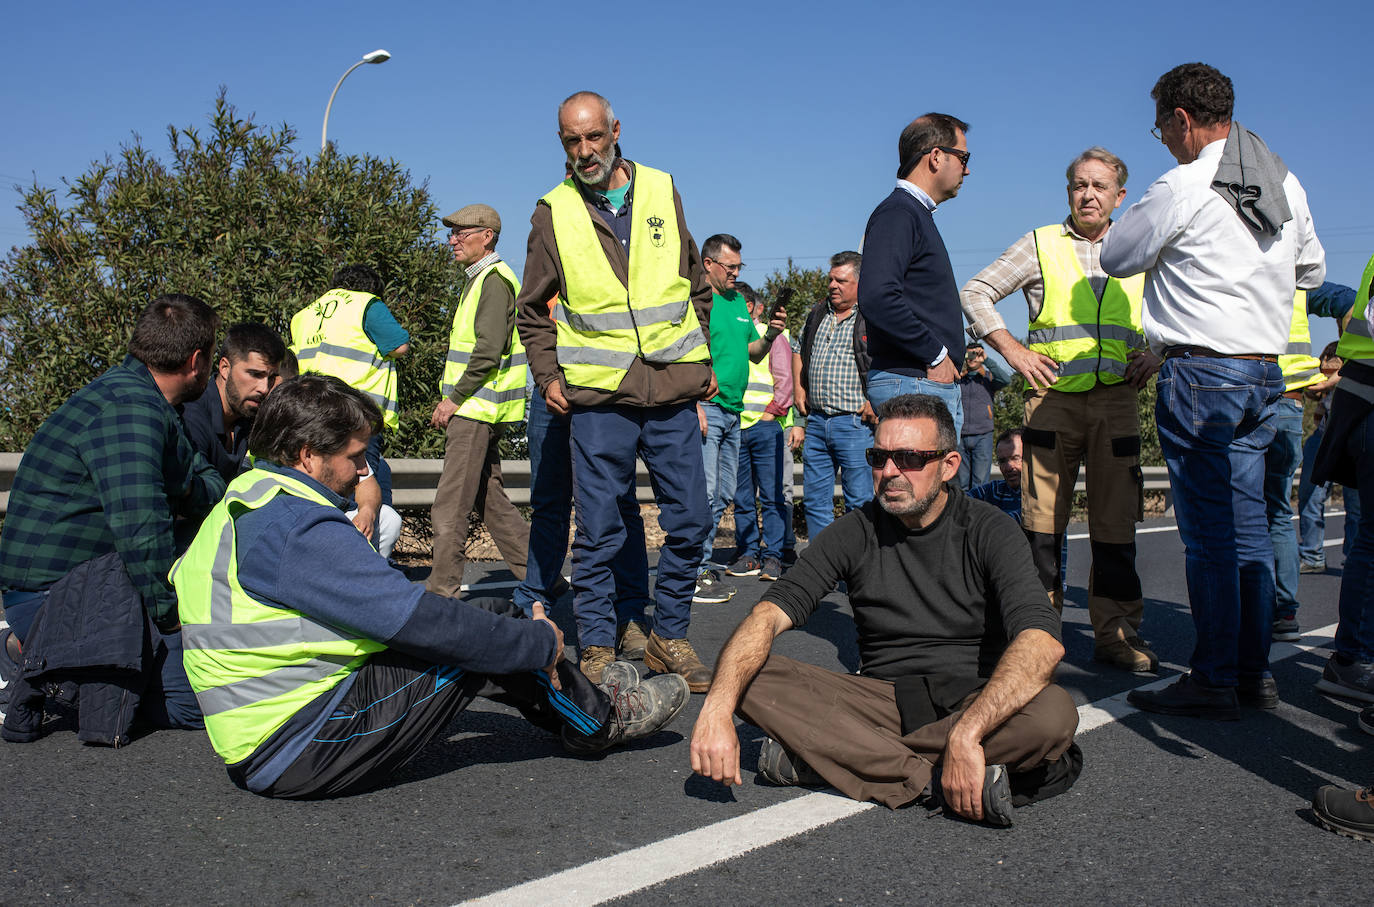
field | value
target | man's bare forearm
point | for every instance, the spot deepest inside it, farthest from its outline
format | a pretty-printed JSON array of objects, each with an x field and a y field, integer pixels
[{"x": 1025, "y": 668}]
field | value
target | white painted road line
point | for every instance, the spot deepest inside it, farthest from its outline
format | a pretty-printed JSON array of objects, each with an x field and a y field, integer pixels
[{"x": 634, "y": 870}]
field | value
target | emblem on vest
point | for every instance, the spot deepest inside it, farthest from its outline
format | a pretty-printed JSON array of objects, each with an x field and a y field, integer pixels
[{"x": 655, "y": 230}]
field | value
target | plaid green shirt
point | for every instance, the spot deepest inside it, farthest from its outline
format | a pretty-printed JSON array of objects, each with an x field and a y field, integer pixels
[{"x": 107, "y": 471}]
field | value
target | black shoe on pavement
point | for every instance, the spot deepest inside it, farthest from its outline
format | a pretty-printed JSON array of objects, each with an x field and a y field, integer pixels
[
  {"x": 1365, "y": 720},
  {"x": 744, "y": 565},
  {"x": 1187, "y": 696},
  {"x": 778, "y": 766},
  {"x": 771, "y": 570},
  {"x": 1286, "y": 629},
  {"x": 1346, "y": 812},
  {"x": 1260, "y": 693},
  {"x": 638, "y": 708},
  {"x": 711, "y": 589},
  {"x": 1350, "y": 681}
]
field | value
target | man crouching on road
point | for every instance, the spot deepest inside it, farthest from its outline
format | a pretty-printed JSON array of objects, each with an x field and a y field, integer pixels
[
  {"x": 321, "y": 670},
  {"x": 958, "y": 644}
]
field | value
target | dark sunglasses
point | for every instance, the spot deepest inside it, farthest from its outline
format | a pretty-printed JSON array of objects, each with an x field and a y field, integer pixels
[
  {"x": 963, "y": 156},
  {"x": 913, "y": 460}
]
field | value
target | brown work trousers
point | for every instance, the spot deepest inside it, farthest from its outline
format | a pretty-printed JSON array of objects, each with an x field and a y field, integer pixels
[
  {"x": 471, "y": 480},
  {"x": 847, "y": 728},
  {"x": 1100, "y": 429}
]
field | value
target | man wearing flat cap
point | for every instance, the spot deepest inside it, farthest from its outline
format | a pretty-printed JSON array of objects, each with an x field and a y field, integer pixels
[{"x": 483, "y": 387}]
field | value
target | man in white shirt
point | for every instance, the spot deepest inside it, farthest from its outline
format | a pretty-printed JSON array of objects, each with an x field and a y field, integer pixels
[{"x": 1220, "y": 272}]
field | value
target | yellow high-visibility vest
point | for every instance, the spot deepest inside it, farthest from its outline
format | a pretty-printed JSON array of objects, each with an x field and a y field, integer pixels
[
  {"x": 501, "y": 398},
  {"x": 603, "y": 326},
  {"x": 1300, "y": 367},
  {"x": 1356, "y": 344},
  {"x": 327, "y": 336},
  {"x": 758, "y": 393}
]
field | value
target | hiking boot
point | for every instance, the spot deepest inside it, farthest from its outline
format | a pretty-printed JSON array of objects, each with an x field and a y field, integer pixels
[
  {"x": 1365, "y": 721},
  {"x": 1258, "y": 693},
  {"x": 1346, "y": 812},
  {"x": 778, "y": 766},
  {"x": 711, "y": 589},
  {"x": 1312, "y": 567},
  {"x": 1129, "y": 654},
  {"x": 1351, "y": 681},
  {"x": 1286, "y": 629},
  {"x": 595, "y": 660},
  {"x": 638, "y": 708},
  {"x": 676, "y": 656},
  {"x": 632, "y": 641},
  {"x": 1187, "y": 696},
  {"x": 744, "y": 565},
  {"x": 771, "y": 570}
]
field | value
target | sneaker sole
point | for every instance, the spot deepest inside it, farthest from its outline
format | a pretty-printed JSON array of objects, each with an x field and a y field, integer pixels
[
  {"x": 1345, "y": 831},
  {"x": 754, "y": 572},
  {"x": 661, "y": 667},
  {"x": 711, "y": 599},
  {"x": 1288, "y": 637},
  {"x": 1331, "y": 688}
]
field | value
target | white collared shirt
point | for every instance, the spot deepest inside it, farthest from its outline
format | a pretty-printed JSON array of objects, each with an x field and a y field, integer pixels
[
  {"x": 917, "y": 193},
  {"x": 1210, "y": 280}
]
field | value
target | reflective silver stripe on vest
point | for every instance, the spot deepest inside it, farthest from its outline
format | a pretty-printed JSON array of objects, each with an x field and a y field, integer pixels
[
  {"x": 587, "y": 355},
  {"x": 458, "y": 357},
  {"x": 516, "y": 360},
  {"x": 1300, "y": 376},
  {"x": 675, "y": 351},
  {"x": 1299, "y": 349},
  {"x": 1088, "y": 366},
  {"x": 669, "y": 312},
  {"x": 758, "y": 386},
  {"x": 1359, "y": 327},
  {"x": 221, "y": 599},
  {"x": 382, "y": 402},
  {"x": 260, "y": 635},
  {"x": 490, "y": 395},
  {"x": 342, "y": 352},
  {"x": 257, "y": 689},
  {"x": 1131, "y": 338}
]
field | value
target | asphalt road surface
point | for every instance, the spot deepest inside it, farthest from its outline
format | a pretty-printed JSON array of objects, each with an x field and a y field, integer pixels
[{"x": 1167, "y": 810}]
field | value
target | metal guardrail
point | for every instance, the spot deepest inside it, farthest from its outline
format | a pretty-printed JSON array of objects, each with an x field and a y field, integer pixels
[{"x": 413, "y": 481}]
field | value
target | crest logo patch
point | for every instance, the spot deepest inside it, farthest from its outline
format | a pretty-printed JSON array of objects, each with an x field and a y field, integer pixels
[{"x": 655, "y": 230}]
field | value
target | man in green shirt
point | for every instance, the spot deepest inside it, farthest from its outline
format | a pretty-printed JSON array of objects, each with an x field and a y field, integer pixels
[{"x": 735, "y": 341}]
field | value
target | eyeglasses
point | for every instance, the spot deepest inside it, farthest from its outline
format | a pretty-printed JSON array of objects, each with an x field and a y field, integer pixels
[
  {"x": 963, "y": 156},
  {"x": 1158, "y": 129},
  {"x": 461, "y": 235},
  {"x": 913, "y": 460},
  {"x": 729, "y": 269}
]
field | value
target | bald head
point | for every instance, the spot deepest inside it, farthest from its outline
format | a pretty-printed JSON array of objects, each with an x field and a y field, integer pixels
[
  {"x": 588, "y": 132},
  {"x": 590, "y": 100}
]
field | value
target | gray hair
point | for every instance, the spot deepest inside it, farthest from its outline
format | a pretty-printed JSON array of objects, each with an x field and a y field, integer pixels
[
  {"x": 852, "y": 259},
  {"x": 1098, "y": 153}
]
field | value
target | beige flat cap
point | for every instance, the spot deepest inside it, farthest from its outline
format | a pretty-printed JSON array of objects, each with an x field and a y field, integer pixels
[{"x": 474, "y": 216}]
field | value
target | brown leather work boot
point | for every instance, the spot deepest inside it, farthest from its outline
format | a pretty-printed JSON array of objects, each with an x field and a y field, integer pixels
[
  {"x": 632, "y": 641},
  {"x": 1130, "y": 654},
  {"x": 676, "y": 656},
  {"x": 595, "y": 660}
]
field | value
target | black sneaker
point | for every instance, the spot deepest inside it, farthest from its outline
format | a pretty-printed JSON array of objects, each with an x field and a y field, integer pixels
[
  {"x": 711, "y": 589},
  {"x": 1352, "y": 681},
  {"x": 1188, "y": 697},
  {"x": 771, "y": 570},
  {"x": 638, "y": 708},
  {"x": 1346, "y": 812},
  {"x": 778, "y": 766},
  {"x": 744, "y": 565},
  {"x": 1286, "y": 629},
  {"x": 997, "y": 799},
  {"x": 9, "y": 671}
]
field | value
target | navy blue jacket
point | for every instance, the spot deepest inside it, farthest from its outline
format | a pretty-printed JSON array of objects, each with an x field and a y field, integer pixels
[{"x": 907, "y": 292}]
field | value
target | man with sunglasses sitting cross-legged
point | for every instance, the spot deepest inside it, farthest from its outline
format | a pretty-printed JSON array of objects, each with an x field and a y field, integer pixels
[{"x": 953, "y": 705}]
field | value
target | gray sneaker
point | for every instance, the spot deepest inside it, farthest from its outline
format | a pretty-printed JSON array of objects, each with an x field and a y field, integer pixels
[
  {"x": 1352, "y": 681},
  {"x": 778, "y": 766},
  {"x": 711, "y": 589},
  {"x": 772, "y": 568}
]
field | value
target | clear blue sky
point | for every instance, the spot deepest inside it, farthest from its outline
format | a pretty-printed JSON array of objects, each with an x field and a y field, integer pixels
[{"x": 778, "y": 120}]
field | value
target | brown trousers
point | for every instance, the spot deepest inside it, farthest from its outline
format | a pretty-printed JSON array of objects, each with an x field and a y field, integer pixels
[
  {"x": 846, "y": 727},
  {"x": 471, "y": 480},
  {"x": 1099, "y": 428}
]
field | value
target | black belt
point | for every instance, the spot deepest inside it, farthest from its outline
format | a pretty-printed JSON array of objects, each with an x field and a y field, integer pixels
[{"x": 1173, "y": 352}]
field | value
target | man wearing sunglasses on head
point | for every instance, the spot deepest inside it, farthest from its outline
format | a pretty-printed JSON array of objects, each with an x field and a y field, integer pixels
[{"x": 957, "y": 642}]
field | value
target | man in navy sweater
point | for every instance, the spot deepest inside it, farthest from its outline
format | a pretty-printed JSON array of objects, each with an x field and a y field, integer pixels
[{"x": 907, "y": 292}]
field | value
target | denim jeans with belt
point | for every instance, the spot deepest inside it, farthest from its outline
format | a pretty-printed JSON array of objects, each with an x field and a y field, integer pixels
[
  {"x": 835, "y": 441},
  {"x": 1216, "y": 419}
]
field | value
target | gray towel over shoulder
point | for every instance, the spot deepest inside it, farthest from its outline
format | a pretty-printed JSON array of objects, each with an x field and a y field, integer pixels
[{"x": 1250, "y": 178}]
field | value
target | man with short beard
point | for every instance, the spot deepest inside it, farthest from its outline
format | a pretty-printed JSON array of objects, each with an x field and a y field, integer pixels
[
  {"x": 957, "y": 644},
  {"x": 625, "y": 357},
  {"x": 219, "y": 420}
]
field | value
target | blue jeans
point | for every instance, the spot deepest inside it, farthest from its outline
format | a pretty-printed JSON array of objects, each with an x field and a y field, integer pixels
[
  {"x": 760, "y": 467},
  {"x": 835, "y": 442},
  {"x": 1311, "y": 507},
  {"x": 883, "y": 386},
  {"x": 720, "y": 459},
  {"x": 1355, "y": 630},
  {"x": 1280, "y": 463},
  {"x": 167, "y": 702},
  {"x": 975, "y": 466},
  {"x": 1353, "y": 519},
  {"x": 606, "y": 440},
  {"x": 551, "y": 495},
  {"x": 1216, "y": 418}
]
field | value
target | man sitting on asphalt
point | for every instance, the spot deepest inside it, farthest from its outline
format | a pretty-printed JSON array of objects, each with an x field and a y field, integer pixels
[
  {"x": 957, "y": 640},
  {"x": 321, "y": 671}
]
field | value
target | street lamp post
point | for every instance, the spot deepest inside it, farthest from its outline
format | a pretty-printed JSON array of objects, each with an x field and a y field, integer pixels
[{"x": 377, "y": 56}]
